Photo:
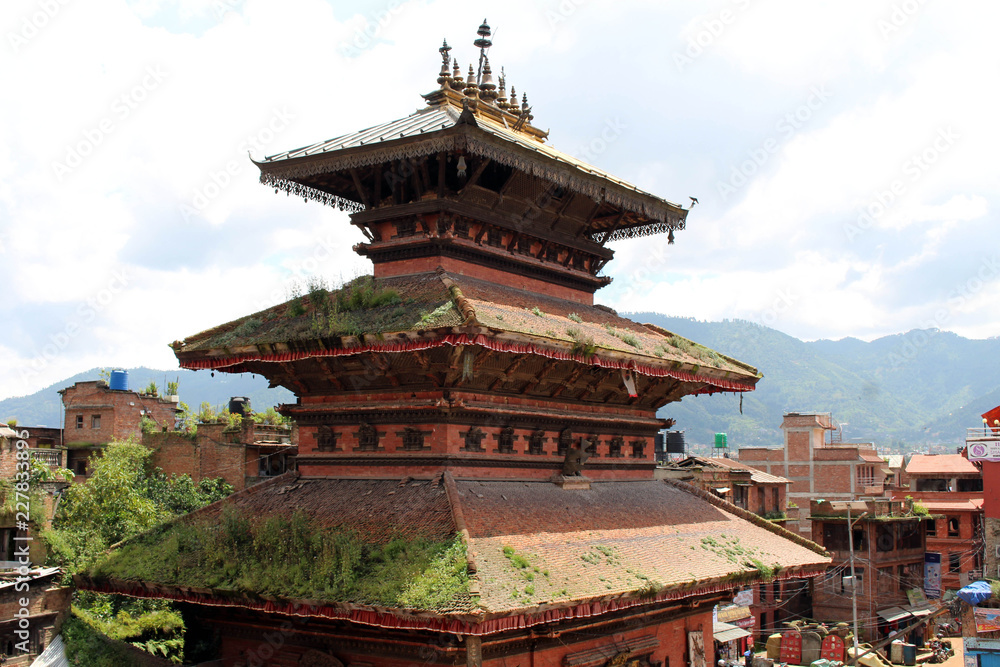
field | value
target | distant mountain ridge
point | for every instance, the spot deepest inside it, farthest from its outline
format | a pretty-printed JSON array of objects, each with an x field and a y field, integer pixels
[{"x": 903, "y": 392}]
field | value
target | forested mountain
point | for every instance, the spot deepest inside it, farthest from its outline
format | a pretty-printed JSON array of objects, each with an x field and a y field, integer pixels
[{"x": 906, "y": 392}]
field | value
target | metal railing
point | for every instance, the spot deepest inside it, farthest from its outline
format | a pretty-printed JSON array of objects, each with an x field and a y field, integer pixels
[
  {"x": 50, "y": 457},
  {"x": 982, "y": 433}
]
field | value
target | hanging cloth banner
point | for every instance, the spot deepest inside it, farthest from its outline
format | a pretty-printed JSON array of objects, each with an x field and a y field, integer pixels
[{"x": 987, "y": 620}]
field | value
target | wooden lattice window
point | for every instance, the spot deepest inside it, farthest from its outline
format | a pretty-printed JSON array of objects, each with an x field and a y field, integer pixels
[
  {"x": 461, "y": 229},
  {"x": 413, "y": 439},
  {"x": 505, "y": 441},
  {"x": 580, "y": 262},
  {"x": 406, "y": 228},
  {"x": 524, "y": 245},
  {"x": 367, "y": 438},
  {"x": 552, "y": 253},
  {"x": 590, "y": 445},
  {"x": 494, "y": 237},
  {"x": 615, "y": 446},
  {"x": 565, "y": 441},
  {"x": 536, "y": 443},
  {"x": 638, "y": 449},
  {"x": 326, "y": 439},
  {"x": 474, "y": 439}
]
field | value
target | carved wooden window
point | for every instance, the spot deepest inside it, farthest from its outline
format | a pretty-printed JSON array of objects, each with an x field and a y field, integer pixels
[
  {"x": 615, "y": 446},
  {"x": 565, "y": 441},
  {"x": 638, "y": 449},
  {"x": 579, "y": 262},
  {"x": 413, "y": 440},
  {"x": 406, "y": 228},
  {"x": 474, "y": 439},
  {"x": 505, "y": 441},
  {"x": 326, "y": 439},
  {"x": 461, "y": 229},
  {"x": 524, "y": 245},
  {"x": 590, "y": 445},
  {"x": 367, "y": 438},
  {"x": 494, "y": 237},
  {"x": 536, "y": 443},
  {"x": 552, "y": 253}
]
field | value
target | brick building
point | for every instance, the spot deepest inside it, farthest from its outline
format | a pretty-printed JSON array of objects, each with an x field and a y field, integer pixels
[
  {"x": 242, "y": 456},
  {"x": 889, "y": 543},
  {"x": 817, "y": 465},
  {"x": 735, "y": 481},
  {"x": 468, "y": 396},
  {"x": 951, "y": 488},
  {"x": 983, "y": 448},
  {"x": 95, "y": 415}
]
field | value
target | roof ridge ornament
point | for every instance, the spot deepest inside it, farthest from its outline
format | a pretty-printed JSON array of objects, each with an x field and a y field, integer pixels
[{"x": 444, "y": 78}]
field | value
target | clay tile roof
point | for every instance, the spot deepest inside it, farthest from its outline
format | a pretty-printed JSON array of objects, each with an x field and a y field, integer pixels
[
  {"x": 535, "y": 543},
  {"x": 937, "y": 506},
  {"x": 870, "y": 456},
  {"x": 925, "y": 464},
  {"x": 756, "y": 475}
]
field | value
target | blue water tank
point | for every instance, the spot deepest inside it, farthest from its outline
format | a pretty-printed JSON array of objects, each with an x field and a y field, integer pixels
[{"x": 119, "y": 380}]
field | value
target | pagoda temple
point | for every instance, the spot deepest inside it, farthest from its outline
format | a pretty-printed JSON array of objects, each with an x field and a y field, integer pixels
[{"x": 474, "y": 478}]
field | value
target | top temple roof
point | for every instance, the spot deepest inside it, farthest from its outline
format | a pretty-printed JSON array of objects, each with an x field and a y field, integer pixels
[{"x": 473, "y": 120}]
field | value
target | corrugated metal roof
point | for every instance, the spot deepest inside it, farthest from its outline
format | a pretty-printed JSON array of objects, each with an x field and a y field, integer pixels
[
  {"x": 54, "y": 655},
  {"x": 756, "y": 475},
  {"x": 724, "y": 632},
  {"x": 438, "y": 118},
  {"x": 945, "y": 505}
]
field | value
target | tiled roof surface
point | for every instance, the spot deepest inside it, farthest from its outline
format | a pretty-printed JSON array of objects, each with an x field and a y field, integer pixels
[
  {"x": 940, "y": 464},
  {"x": 894, "y": 460},
  {"x": 870, "y": 456},
  {"x": 756, "y": 475},
  {"x": 944, "y": 505},
  {"x": 379, "y": 510},
  {"x": 612, "y": 539}
]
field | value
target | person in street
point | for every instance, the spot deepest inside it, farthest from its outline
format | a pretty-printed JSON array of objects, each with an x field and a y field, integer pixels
[{"x": 748, "y": 656}]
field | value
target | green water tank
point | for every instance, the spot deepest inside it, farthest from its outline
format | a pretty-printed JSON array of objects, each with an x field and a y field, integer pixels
[{"x": 720, "y": 440}]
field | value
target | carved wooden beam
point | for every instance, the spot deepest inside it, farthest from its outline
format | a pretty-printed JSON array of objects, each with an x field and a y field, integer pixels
[
  {"x": 514, "y": 238},
  {"x": 541, "y": 376},
  {"x": 590, "y": 220},
  {"x": 569, "y": 381},
  {"x": 503, "y": 190},
  {"x": 331, "y": 375},
  {"x": 418, "y": 187},
  {"x": 378, "y": 185},
  {"x": 476, "y": 174},
  {"x": 499, "y": 382},
  {"x": 359, "y": 188},
  {"x": 294, "y": 379},
  {"x": 442, "y": 175},
  {"x": 561, "y": 211}
]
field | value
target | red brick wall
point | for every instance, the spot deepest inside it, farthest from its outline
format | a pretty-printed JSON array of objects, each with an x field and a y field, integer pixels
[
  {"x": 208, "y": 456},
  {"x": 120, "y": 412}
]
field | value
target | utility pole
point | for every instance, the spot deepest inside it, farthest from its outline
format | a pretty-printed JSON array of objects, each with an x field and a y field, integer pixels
[{"x": 863, "y": 506}]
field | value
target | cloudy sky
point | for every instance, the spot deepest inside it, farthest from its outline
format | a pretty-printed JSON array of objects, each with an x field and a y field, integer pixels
[{"x": 844, "y": 155}]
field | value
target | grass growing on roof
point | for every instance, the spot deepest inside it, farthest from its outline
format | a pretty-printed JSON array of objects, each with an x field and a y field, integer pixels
[{"x": 292, "y": 558}]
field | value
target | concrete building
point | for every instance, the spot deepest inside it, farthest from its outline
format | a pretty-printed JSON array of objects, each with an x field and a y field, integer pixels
[{"x": 817, "y": 465}]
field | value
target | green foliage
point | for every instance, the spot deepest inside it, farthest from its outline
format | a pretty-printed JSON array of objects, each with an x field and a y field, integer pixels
[
  {"x": 362, "y": 294},
  {"x": 179, "y": 494},
  {"x": 148, "y": 425},
  {"x": 291, "y": 558},
  {"x": 159, "y": 632},
  {"x": 86, "y": 646},
  {"x": 576, "y": 318},
  {"x": 920, "y": 510},
  {"x": 271, "y": 417},
  {"x": 582, "y": 345},
  {"x": 437, "y": 313},
  {"x": 12, "y": 422},
  {"x": 41, "y": 472},
  {"x": 172, "y": 388},
  {"x": 206, "y": 414},
  {"x": 626, "y": 337},
  {"x": 151, "y": 389},
  {"x": 774, "y": 515},
  {"x": 9, "y": 499},
  {"x": 537, "y": 311}
]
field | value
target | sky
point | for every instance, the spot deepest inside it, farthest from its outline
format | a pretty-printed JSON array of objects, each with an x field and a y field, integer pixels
[{"x": 843, "y": 156}]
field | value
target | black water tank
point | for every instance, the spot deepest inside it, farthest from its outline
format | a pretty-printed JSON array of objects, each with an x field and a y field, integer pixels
[
  {"x": 675, "y": 442},
  {"x": 658, "y": 442},
  {"x": 239, "y": 405}
]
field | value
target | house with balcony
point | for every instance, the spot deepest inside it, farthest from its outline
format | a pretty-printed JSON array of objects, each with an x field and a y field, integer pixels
[
  {"x": 950, "y": 486},
  {"x": 746, "y": 487},
  {"x": 888, "y": 540}
]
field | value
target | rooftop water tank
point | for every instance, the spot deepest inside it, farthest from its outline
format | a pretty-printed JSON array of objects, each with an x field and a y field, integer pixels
[
  {"x": 239, "y": 405},
  {"x": 119, "y": 380}
]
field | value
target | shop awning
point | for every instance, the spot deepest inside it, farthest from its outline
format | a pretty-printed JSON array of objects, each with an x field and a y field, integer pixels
[
  {"x": 724, "y": 632},
  {"x": 722, "y": 490},
  {"x": 892, "y": 614}
]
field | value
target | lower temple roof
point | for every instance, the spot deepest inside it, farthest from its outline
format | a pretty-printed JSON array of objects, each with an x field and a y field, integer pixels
[{"x": 466, "y": 555}]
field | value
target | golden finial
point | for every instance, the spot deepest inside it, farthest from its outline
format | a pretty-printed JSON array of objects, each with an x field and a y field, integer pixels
[
  {"x": 444, "y": 79},
  {"x": 471, "y": 89},
  {"x": 525, "y": 109},
  {"x": 502, "y": 94},
  {"x": 512, "y": 107},
  {"x": 456, "y": 77},
  {"x": 487, "y": 89}
]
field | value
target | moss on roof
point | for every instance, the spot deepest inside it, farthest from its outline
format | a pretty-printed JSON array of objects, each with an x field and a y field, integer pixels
[{"x": 294, "y": 558}]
